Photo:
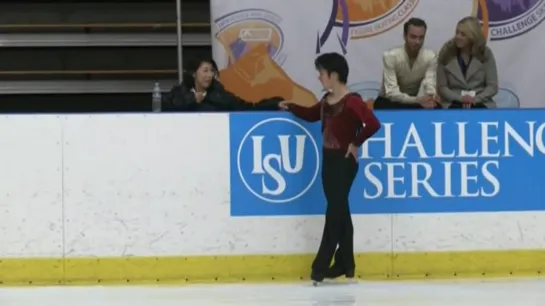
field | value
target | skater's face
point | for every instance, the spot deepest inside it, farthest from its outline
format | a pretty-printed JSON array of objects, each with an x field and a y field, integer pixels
[
  {"x": 204, "y": 75},
  {"x": 326, "y": 79}
]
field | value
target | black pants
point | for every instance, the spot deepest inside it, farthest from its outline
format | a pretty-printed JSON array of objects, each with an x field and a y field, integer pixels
[
  {"x": 384, "y": 103},
  {"x": 456, "y": 105},
  {"x": 338, "y": 173}
]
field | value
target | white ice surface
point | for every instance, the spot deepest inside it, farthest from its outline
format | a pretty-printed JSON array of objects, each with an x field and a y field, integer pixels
[{"x": 444, "y": 293}]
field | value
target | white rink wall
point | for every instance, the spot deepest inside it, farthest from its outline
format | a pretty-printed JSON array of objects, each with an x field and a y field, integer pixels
[{"x": 158, "y": 185}]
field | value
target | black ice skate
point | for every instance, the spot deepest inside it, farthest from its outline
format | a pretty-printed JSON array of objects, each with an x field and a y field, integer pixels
[
  {"x": 338, "y": 271},
  {"x": 317, "y": 278}
]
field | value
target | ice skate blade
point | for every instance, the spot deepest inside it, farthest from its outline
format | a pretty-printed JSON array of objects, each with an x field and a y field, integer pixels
[{"x": 336, "y": 282}]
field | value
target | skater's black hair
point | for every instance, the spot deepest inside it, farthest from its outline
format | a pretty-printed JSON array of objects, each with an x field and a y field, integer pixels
[{"x": 333, "y": 63}]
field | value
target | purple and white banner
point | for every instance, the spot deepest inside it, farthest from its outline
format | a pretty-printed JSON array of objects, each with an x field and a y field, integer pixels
[{"x": 268, "y": 48}]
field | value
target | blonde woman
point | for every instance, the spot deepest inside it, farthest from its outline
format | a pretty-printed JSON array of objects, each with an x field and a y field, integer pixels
[{"x": 466, "y": 69}]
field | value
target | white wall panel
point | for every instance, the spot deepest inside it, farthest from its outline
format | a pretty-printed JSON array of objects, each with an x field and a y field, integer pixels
[
  {"x": 464, "y": 232},
  {"x": 31, "y": 186},
  {"x": 159, "y": 185}
]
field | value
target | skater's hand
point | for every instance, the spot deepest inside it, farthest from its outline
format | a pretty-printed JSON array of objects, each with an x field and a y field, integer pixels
[
  {"x": 285, "y": 105},
  {"x": 352, "y": 151}
]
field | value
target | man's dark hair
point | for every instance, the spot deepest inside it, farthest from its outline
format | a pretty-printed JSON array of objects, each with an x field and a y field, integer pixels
[
  {"x": 416, "y": 22},
  {"x": 333, "y": 62}
]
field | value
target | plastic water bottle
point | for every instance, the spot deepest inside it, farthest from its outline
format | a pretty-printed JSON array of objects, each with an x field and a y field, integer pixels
[{"x": 156, "y": 98}]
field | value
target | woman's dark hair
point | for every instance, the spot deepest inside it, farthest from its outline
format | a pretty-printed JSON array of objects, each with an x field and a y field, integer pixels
[{"x": 193, "y": 65}]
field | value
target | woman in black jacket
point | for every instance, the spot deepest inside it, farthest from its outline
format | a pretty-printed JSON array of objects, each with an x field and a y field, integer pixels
[{"x": 200, "y": 91}]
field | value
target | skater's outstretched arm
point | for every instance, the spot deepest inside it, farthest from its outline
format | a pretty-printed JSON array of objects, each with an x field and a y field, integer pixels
[{"x": 310, "y": 114}]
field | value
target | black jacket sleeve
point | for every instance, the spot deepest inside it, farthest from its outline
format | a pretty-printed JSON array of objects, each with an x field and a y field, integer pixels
[
  {"x": 235, "y": 103},
  {"x": 181, "y": 98},
  {"x": 228, "y": 101},
  {"x": 225, "y": 100},
  {"x": 178, "y": 99},
  {"x": 269, "y": 103}
]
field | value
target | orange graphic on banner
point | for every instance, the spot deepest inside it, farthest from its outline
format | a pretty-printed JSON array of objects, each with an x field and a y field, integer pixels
[
  {"x": 367, "y": 18},
  {"x": 256, "y": 76},
  {"x": 252, "y": 32},
  {"x": 484, "y": 14},
  {"x": 359, "y": 10}
]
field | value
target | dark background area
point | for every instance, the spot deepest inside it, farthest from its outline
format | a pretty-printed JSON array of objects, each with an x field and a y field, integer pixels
[{"x": 58, "y": 56}]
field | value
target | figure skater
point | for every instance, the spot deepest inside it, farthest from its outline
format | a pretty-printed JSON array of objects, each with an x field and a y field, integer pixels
[{"x": 347, "y": 123}]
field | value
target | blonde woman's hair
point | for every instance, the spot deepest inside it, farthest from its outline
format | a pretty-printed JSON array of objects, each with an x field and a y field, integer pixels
[{"x": 474, "y": 32}]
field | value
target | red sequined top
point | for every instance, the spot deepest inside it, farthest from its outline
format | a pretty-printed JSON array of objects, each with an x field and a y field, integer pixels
[{"x": 348, "y": 121}]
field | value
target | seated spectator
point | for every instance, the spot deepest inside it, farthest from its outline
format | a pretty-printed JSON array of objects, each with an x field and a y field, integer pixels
[
  {"x": 466, "y": 70},
  {"x": 408, "y": 80},
  {"x": 201, "y": 91}
]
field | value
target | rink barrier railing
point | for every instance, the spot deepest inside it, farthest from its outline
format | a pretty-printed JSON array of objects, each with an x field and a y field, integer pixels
[
  {"x": 122, "y": 199},
  {"x": 265, "y": 268}
]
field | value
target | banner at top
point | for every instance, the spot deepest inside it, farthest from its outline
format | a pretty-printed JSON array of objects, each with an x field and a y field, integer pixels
[
  {"x": 419, "y": 162},
  {"x": 267, "y": 48}
]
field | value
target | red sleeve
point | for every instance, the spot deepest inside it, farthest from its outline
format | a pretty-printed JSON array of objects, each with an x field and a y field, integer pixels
[
  {"x": 310, "y": 114},
  {"x": 364, "y": 115}
]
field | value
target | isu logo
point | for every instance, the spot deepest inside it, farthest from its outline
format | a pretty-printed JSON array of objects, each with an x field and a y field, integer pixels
[{"x": 278, "y": 160}]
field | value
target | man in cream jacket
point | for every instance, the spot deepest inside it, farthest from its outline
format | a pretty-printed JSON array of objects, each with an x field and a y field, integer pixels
[{"x": 408, "y": 80}]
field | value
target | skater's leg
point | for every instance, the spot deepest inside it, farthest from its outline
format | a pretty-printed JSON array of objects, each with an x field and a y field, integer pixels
[
  {"x": 344, "y": 263},
  {"x": 347, "y": 240},
  {"x": 347, "y": 246},
  {"x": 333, "y": 217},
  {"x": 330, "y": 239},
  {"x": 344, "y": 257}
]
